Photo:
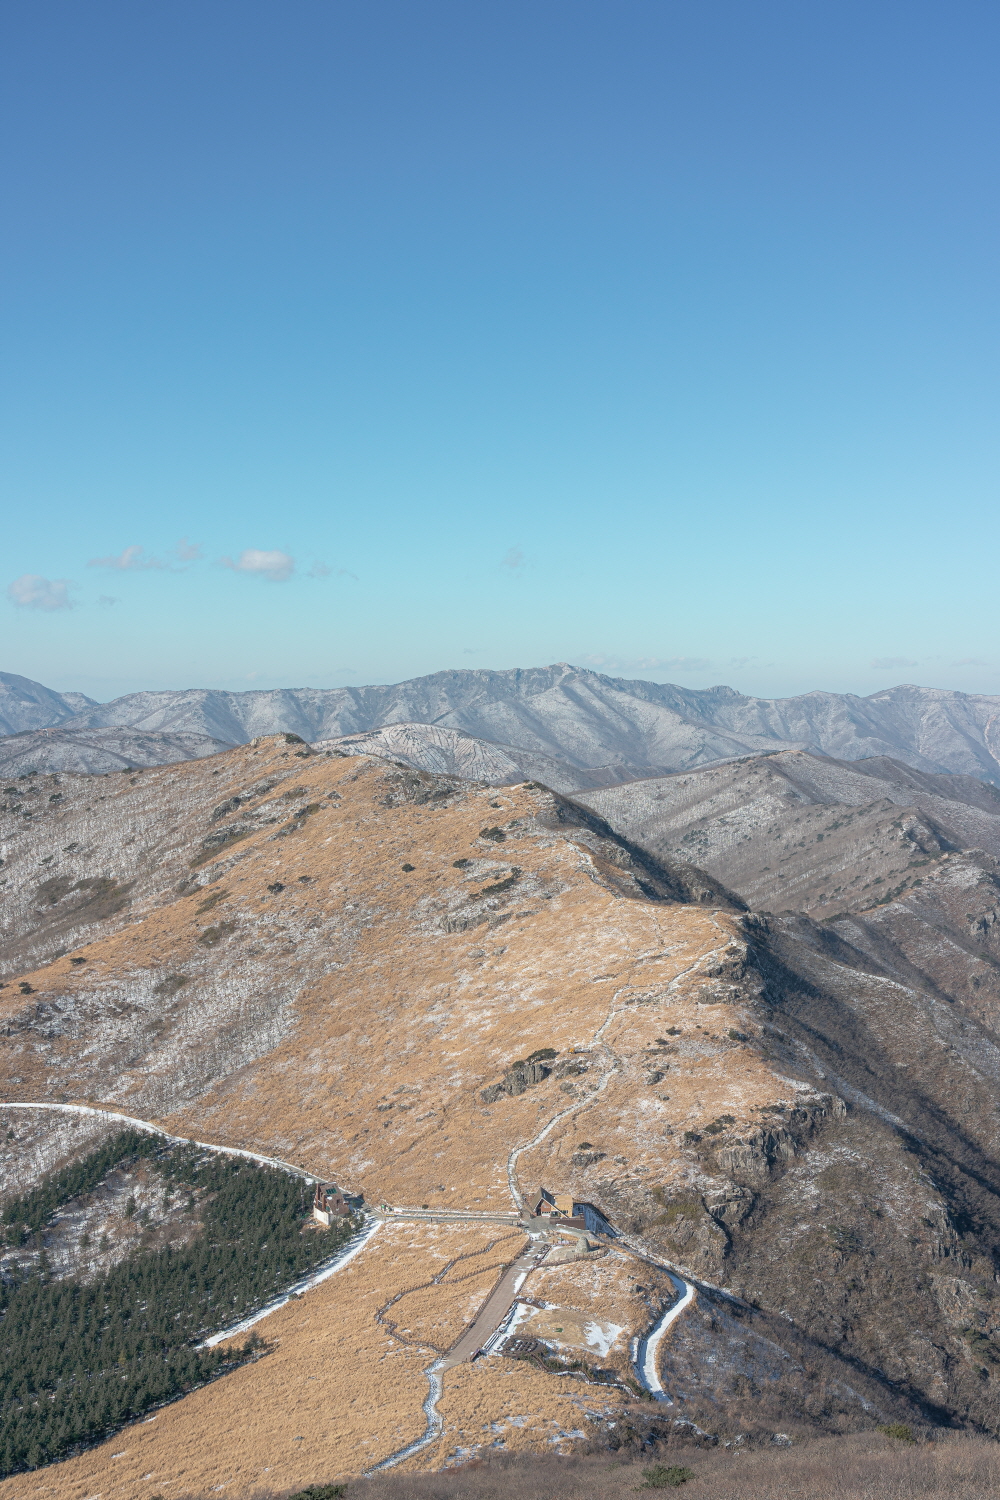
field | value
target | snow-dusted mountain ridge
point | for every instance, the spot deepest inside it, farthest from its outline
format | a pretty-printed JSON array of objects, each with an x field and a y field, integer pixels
[
  {"x": 26, "y": 705},
  {"x": 576, "y": 716}
]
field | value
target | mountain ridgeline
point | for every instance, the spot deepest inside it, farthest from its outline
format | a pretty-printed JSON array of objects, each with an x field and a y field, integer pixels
[
  {"x": 748, "y": 1010},
  {"x": 578, "y": 718}
]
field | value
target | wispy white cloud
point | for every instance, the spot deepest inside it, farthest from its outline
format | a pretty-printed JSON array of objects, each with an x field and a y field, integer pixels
[
  {"x": 136, "y": 559},
  {"x": 970, "y": 661},
  {"x": 514, "y": 559},
  {"x": 277, "y": 566},
  {"x": 132, "y": 560},
  {"x": 106, "y": 601},
  {"x": 32, "y": 591},
  {"x": 890, "y": 663}
]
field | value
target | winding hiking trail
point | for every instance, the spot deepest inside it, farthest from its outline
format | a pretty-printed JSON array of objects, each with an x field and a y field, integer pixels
[
  {"x": 435, "y": 1421},
  {"x": 648, "y": 1347},
  {"x": 481, "y": 1335},
  {"x": 486, "y": 1332}
]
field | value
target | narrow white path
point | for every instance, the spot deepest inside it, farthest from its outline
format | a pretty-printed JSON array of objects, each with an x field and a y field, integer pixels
[
  {"x": 577, "y": 1105},
  {"x": 435, "y": 1421},
  {"x": 180, "y": 1140},
  {"x": 648, "y": 1347},
  {"x": 712, "y": 953},
  {"x": 346, "y": 1252},
  {"x": 574, "y": 1108},
  {"x": 581, "y": 1104},
  {"x": 646, "y": 1355}
]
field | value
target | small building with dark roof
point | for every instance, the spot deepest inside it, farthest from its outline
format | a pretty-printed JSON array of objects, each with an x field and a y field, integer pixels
[{"x": 563, "y": 1208}]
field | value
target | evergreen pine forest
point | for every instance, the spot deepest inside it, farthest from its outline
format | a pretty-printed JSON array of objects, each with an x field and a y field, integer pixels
[{"x": 79, "y": 1357}]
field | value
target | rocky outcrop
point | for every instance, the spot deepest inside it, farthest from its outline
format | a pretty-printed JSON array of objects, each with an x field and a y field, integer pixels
[{"x": 518, "y": 1077}]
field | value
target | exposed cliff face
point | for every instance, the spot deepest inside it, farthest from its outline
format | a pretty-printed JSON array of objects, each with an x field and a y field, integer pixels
[
  {"x": 439, "y": 992},
  {"x": 919, "y": 1147}
]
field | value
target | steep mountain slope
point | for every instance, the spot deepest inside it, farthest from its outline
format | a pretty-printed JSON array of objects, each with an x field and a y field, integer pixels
[
  {"x": 590, "y": 720},
  {"x": 797, "y": 831},
  {"x": 904, "y": 868},
  {"x": 97, "y": 751},
  {"x": 438, "y": 992},
  {"x": 26, "y": 705},
  {"x": 892, "y": 999}
]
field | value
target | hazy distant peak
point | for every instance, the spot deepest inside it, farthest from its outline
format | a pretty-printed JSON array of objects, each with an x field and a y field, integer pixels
[
  {"x": 79, "y": 701},
  {"x": 577, "y": 717},
  {"x": 25, "y": 704}
]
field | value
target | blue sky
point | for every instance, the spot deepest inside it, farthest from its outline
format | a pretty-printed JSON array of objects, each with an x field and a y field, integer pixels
[{"x": 656, "y": 337}]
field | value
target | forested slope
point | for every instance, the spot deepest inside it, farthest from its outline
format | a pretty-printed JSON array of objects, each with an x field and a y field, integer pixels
[{"x": 84, "y": 1352}]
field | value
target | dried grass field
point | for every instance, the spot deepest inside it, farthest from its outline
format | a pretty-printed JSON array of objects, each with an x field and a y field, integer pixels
[
  {"x": 864, "y": 1466},
  {"x": 350, "y": 965}
]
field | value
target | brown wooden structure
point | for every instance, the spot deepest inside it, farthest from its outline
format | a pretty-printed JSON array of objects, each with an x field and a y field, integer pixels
[{"x": 330, "y": 1203}]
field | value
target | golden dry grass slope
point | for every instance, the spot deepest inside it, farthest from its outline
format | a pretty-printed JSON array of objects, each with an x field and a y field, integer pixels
[{"x": 329, "y": 960}]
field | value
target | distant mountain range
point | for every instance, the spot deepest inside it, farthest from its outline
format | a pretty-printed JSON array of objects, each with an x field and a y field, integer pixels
[
  {"x": 28, "y": 705},
  {"x": 95, "y": 752},
  {"x": 578, "y": 718}
]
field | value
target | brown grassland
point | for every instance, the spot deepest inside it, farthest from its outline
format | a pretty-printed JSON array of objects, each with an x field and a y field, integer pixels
[
  {"x": 865, "y": 1466},
  {"x": 337, "y": 985}
]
